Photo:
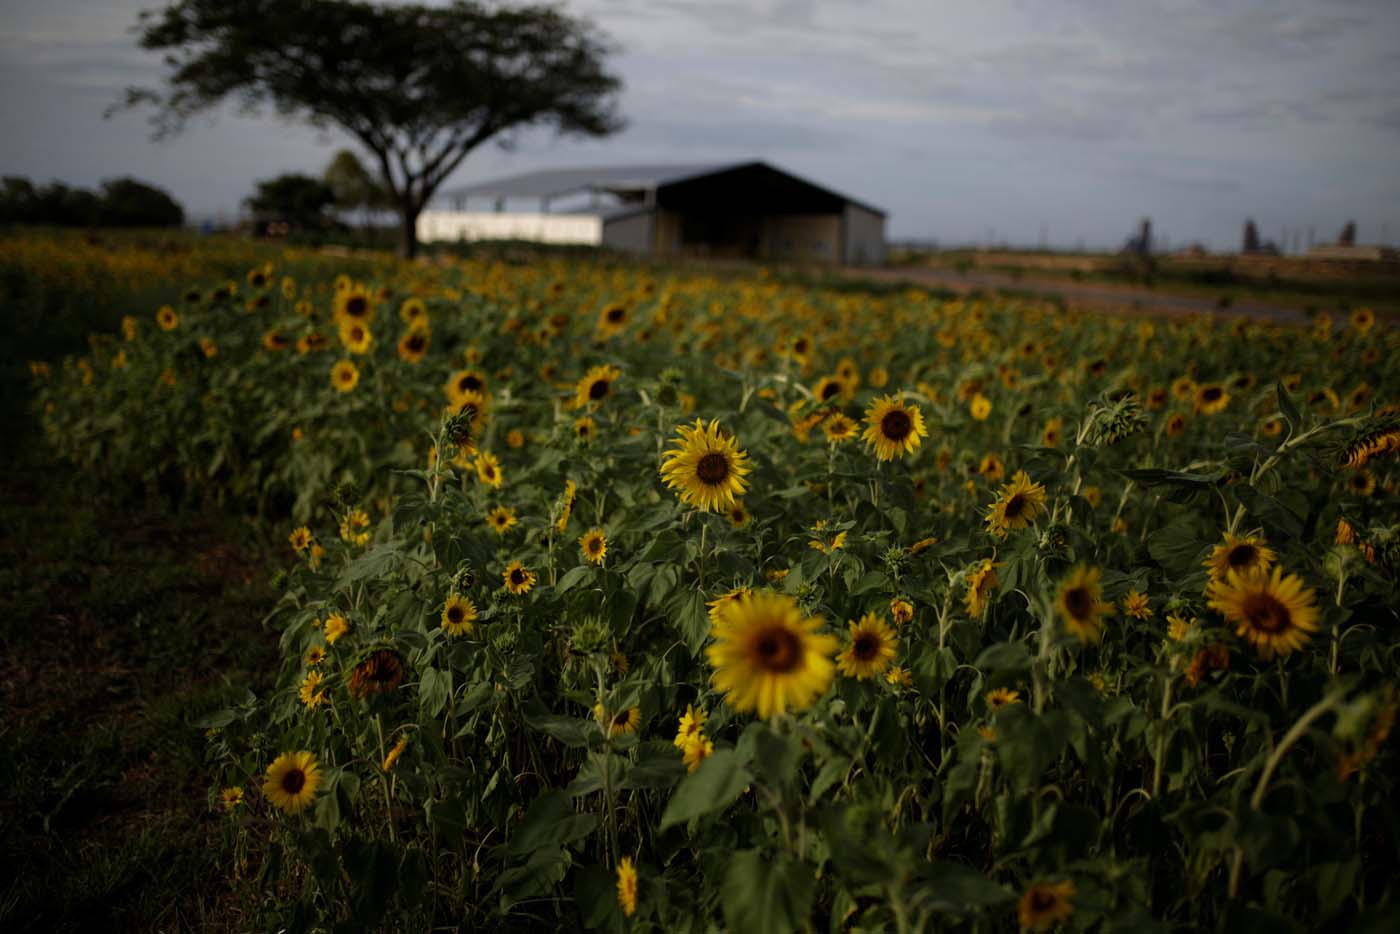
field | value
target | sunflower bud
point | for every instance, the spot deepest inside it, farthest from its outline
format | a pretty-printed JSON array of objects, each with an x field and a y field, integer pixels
[
  {"x": 346, "y": 493},
  {"x": 1054, "y": 542},
  {"x": 1112, "y": 420},
  {"x": 591, "y": 636}
]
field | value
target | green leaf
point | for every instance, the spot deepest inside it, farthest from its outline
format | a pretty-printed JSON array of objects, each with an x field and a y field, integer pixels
[
  {"x": 957, "y": 886},
  {"x": 763, "y": 893},
  {"x": 570, "y": 731},
  {"x": 551, "y": 821},
  {"x": 715, "y": 785},
  {"x": 1286, "y": 406},
  {"x": 433, "y": 691},
  {"x": 573, "y": 578},
  {"x": 1004, "y": 656}
]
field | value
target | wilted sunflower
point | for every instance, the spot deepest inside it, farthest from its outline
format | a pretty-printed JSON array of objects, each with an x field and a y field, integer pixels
[
  {"x": 705, "y": 467},
  {"x": 594, "y": 545},
  {"x": 871, "y": 650},
  {"x": 413, "y": 346},
  {"x": 901, "y": 611},
  {"x": 893, "y": 428},
  {"x": 1275, "y": 613},
  {"x": 502, "y": 519},
  {"x": 1080, "y": 605},
  {"x": 345, "y": 376},
  {"x": 292, "y": 780},
  {"x": 518, "y": 578},
  {"x": 769, "y": 657},
  {"x": 998, "y": 698},
  {"x": 1243, "y": 554},
  {"x": 980, "y": 585},
  {"x": 1044, "y": 905},
  {"x": 1211, "y": 398},
  {"x": 1017, "y": 505},
  {"x": 596, "y": 385},
  {"x": 380, "y": 672},
  {"x": 627, "y": 886},
  {"x": 457, "y": 615}
]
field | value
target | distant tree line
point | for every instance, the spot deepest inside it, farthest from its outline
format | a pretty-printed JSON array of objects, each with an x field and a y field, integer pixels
[{"x": 121, "y": 202}]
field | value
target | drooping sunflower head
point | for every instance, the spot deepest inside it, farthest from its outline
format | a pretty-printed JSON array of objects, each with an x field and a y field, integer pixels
[
  {"x": 981, "y": 583},
  {"x": 1017, "y": 505},
  {"x": 380, "y": 672},
  {"x": 1276, "y": 614},
  {"x": 596, "y": 385},
  {"x": 565, "y": 506},
  {"x": 871, "y": 650},
  {"x": 291, "y": 781},
  {"x": 627, "y": 886},
  {"x": 1044, "y": 905},
  {"x": 458, "y": 615},
  {"x": 705, "y": 467},
  {"x": 768, "y": 656},
  {"x": 893, "y": 428},
  {"x": 594, "y": 545},
  {"x": 518, "y": 578},
  {"x": 1080, "y": 605},
  {"x": 1243, "y": 554}
]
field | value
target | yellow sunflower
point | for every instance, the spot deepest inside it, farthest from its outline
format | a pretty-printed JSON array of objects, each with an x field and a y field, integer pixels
[
  {"x": 1243, "y": 554},
  {"x": 696, "y": 750},
  {"x": 354, "y": 303},
  {"x": 336, "y": 626},
  {"x": 1137, "y": 605},
  {"x": 871, "y": 650},
  {"x": 167, "y": 318},
  {"x": 893, "y": 428},
  {"x": 692, "y": 722},
  {"x": 627, "y": 886},
  {"x": 292, "y": 780},
  {"x": 620, "y": 723},
  {"x": 585, "y": 429},
  {"x": 981, "y": 583},
  {"x": 596, "y": 385},
  {"x": 356, "y": 337},
  {"x": 345, "y": 376},
  {"x": 231, "y": 798},
  {"x": 901, "y": 610},
  {"x": 830, "y": 389},
  {"x": 300, "y": 539},
  {"x": 502, "y": 519},
  {"x": 1044, "y": 905},
  {"x": 413, "y": 346},
  {"x": 311, "y": 692},
  {"x": 566, "y": 506},
  {"x": 738, "y": 514},
  {"x": 488, "y": 470},
  {"x": 1080, "y": 605},
  {"x": 518, "y": 578},
  {"x": 314, "y": 656},
  {"x": 594, "y": 545},
  {"x": 1211, "y": 398},
  {"x": 705, "y": 467},
  {"x": 980, "y": 407},
  {"x": 412, "y": 311},
  {"x": 998, "y": 698},
  {"x": 1018, "y": 504},
  {"x": 768, "y": 656},
  {"x": 1274, "y": 613},
  {"x": 465, "y": 384},
  {"x": 457, "y": 615}
]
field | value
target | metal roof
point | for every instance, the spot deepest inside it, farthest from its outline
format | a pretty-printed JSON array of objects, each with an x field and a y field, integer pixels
[{"x": 552, "y": 182}]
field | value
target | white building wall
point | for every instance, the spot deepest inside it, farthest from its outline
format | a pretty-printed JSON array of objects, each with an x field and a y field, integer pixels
[
  {"x": 485, "y": 225},
  {"x": 632, "y": 233},
  {"x": 865, "y": 237}
]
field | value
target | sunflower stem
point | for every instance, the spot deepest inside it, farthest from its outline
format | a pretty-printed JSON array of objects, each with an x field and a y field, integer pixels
[
  {"x": 1161, "y": 753},
  {"x": 384, "y": 777}
]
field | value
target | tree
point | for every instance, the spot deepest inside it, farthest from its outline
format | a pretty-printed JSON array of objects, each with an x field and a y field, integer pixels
[
  {"x": 353, "y": 188},
  {"x": 1251, "y": 237},
  {"x": 1348, "y": 235},
  {"x": 129, "y": 203},
  {"x": 419, "y": 87},
  {"x": 297, "y": 199}
]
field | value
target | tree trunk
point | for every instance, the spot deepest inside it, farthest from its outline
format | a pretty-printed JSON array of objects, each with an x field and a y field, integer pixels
[{"x": 408, "y": 231}]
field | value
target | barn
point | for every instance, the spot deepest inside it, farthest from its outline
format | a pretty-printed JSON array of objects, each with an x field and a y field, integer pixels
[{"x": 737, "y": 210}]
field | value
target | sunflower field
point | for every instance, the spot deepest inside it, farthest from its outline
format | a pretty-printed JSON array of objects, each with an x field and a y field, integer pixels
[{"x": 626, "y": 597}]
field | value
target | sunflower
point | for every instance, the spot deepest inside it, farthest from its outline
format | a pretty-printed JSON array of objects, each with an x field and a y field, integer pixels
[
  {"x": 518, "y": 578},
  {"x": 1211, "y": 398},
  {"x": 696, "y": 750},
  {"x": 380, "y": 672},
  {"x": 1363, "y": 319},
  {"x": 879, "y": 376},
  {"x": 872, "y": 648},
  {"x": 260, "y": 278},
  {"x": 292, "y": 780},
  {"x": 515, "y": 438},
  {"x": 314, "y": 656},
  {"x": 612, "y": 320},
  {"x": 488, "y": 470},
  {"x": 300, "y": 539},
  {"x": 465, "y": 384},
  {"x": 413, "y": 346},
  {"x": 312, "y": 342},
  {"x": 768, "y": 656},
  {"x": 1080, "y": 605},
  {"x": 627, "y": 886},
  {"x": 980, "y": 585},
  {"x": 620, "y": 723},
  {"x": 901, "y": 610},
  {"x": 585, "y": 429},
  {"x": 1017, "y": 505},
  {"x": 1275, "y": 613},
  {"x": 336, "y": 626},
  {"x": 566, "y": 506},
  {"x": 231, "y": 798},
  {"x": 502, "y": 519},
  {"x": 413, "y": 312},
  {"x": 998, "y": 698},
  {"x": 1177, "y": 628},
  {"x": 1242, "y": 554},
  {"x": 980, "y": 407},
  {"x": 738, "y": 514},
  {"x": 705, "y": 467},
  {"x": 830, "y": 389},
  {"x": 840, "y": 428},
  {"x": 596, "y": 385},
  {"x": 1044, "y": 905},
  {"x": 393, "y": 755},
  {"x": 1183, "y": 388},
  {"x": 1362, "y": 483},
  {"x": 691, "y": 724},
  {"x": 594, "y": 545},
  {"x": 893, "y": 428},
  {"x": 275, "y": 340},
  {"x": 345, "y": 376},
  {"x": 354, "y": 528},
  {"x": 311, "y": 692},
  {"x": 1053, "y": 432},
  {"x": 457, "y": 615},
  {"x": 1137, "y": 605},
  {"x": 356, "y": 336},
  {"x": 991, "y": 468},
  {"x": 723, "y": 600},
  {"x": 354, "y": 303}
]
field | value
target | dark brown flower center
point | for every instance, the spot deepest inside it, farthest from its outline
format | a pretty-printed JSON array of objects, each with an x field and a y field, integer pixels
[
  {"x": 356, "y": 307},
  {"x": 778, "y": 650},
  {"x": 598, "y": 389},
  {"x": 712, "y": 469},
  {"x": 1266, "y": 614},
  {"x": 866, "y": 646},
  {"x": 1242, "y": 556},
  {"x": 455, "y": 614},
  {"x": 293, "y": 781},
  {"x": 615, "y": 315},
  {"x": 1015, "y": 506},
  {"x": 1212, "y": 393},
  {"x": 896, "y": 425},
  {"x": 1079, "y": 602},
  {"x": 1043, "y": 900},
  {"x": 468, "y": 383},
  {"x": 517, "y": 577},
  {"x": 416, "y": 343},
  {"x": 830, "y": 389}
]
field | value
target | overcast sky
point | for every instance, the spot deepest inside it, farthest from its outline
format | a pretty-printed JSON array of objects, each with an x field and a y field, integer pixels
[{"x": 963, "y": 120}]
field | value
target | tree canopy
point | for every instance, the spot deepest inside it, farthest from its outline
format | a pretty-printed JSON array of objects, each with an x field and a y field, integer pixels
[
  {"x": 296, "y": 199},
  {"x": 122, "y": 202},
  {"x": 419, "y": 87}
]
